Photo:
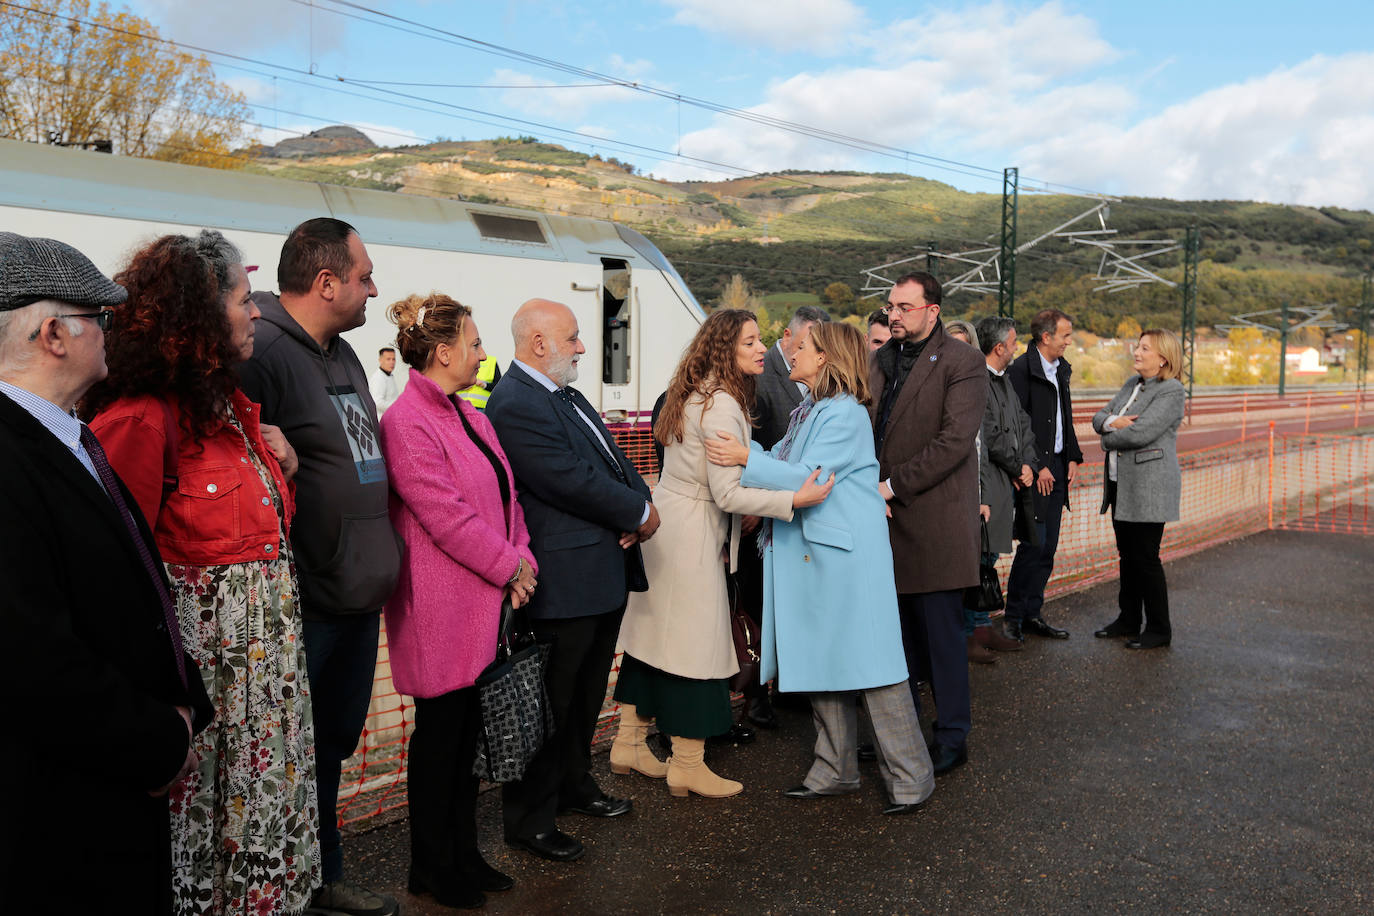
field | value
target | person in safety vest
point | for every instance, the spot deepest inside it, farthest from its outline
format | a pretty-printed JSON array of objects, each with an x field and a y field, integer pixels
[{"x": 488, "y": 374}]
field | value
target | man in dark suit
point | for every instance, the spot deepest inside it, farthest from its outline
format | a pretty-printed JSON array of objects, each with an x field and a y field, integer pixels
[
  {"x": 1040, "y": 377},
  {"x": 587, "y": 509},
  {"x": 776, "y": 395},
  {"x": 86, "y": 609},
  {"x": 930, "y": 390}
]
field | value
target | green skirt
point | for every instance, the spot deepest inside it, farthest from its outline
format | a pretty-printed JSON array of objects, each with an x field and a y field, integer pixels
[{"x": 682, "y": 706}]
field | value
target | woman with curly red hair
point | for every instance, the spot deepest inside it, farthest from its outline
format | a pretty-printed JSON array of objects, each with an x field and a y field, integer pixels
[
  {"x": 676, "y": 636},
  {"x": 212, "y": 482}
]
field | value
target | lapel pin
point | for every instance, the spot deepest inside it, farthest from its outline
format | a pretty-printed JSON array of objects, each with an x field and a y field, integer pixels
[{"x": 934, "y": 357}]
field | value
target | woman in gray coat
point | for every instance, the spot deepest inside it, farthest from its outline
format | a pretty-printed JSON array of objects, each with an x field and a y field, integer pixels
[{"x": 1139, "y": 429}]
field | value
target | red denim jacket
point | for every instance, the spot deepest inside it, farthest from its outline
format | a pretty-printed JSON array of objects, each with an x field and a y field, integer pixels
[{"x": 220, "y": 512}]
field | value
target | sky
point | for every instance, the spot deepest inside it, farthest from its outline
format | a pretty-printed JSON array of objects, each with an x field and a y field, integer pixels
[{"x": 1206, "y": 100}]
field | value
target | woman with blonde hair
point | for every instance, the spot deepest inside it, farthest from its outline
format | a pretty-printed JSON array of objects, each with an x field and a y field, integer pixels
[
  {"x": 678, "y": 652},
  {"x": 1139, "y": 429},
  {"x": 453, "y": 499},
  {"x": 830, "y": 624}
]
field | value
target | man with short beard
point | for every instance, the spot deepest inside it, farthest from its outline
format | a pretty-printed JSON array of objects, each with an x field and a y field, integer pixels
[{"x": 586, "y": 509}]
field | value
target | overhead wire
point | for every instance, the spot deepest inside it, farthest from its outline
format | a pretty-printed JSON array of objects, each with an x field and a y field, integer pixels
[{"x": 316, "y": 79}]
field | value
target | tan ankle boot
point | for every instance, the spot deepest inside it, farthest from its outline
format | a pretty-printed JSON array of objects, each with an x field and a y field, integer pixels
[
  {"x": 628, "y": 750},
  {"x": 688, "y": 772}
]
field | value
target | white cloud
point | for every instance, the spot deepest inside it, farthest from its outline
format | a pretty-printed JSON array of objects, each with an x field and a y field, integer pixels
[
  {"x": 1297, "y": 135},
  {"x": 818, "y": 26},
  {"x": 957, "y": 87},
  {"x": 997, "y": 86},
  {"x": 245, "y": 26}
]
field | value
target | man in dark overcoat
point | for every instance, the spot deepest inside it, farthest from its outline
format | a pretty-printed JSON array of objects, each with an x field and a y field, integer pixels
[
  {"x": 930, "y": 391},
  {"x": 586, "y": 509},
  {"x": 1040, "y": 377},
  {"x": 97, "y": 663}
]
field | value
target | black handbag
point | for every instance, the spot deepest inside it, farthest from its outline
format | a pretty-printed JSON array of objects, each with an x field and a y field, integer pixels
[
  {"x": 516, "y": 718},
  {"x": 987, "y": 594}
]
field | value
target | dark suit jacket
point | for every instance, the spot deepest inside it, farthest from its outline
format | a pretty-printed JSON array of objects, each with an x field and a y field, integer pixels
[
  {"x": 775, "y": 396},
  {"x": 1036, "y": 396},
  {"x": 91, "y": 668},
  {"x": 929, "y": 456},
  {"x": 575, "y": 507}
]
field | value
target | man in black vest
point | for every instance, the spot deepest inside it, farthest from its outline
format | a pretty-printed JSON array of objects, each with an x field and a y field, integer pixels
[
  {"x": 586, "y": 509},
  {"x": 96, "y": 656},
  {"x": 1040, "y": 377}
]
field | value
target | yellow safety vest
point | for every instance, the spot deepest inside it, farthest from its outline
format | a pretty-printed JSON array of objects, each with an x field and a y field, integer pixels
[{"x": 477, "y": 395}]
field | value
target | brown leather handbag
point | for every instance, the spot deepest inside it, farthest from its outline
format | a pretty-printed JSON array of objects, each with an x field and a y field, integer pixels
[{"x": 745, "y": 634}]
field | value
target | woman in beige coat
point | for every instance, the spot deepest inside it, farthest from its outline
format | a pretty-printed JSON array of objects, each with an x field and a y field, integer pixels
[{"x": 676, "y": 636}]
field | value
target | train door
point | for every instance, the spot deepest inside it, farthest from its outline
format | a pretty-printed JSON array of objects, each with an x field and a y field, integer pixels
[{"x": 619, "y": 342}]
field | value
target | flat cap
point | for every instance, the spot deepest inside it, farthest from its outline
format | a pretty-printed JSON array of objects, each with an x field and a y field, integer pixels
[{"x": 32, "y": 269}]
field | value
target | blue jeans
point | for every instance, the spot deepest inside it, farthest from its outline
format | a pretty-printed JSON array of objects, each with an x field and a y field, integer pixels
[
  {"x": 975, "y": 619},
  {"x": 341, "y": 661}
]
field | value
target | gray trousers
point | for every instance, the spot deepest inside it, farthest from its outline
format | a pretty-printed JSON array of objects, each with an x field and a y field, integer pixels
[{"x": 903, "y": 760}]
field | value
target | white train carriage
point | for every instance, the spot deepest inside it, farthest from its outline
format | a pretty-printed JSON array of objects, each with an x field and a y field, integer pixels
[{"x": 635, "y": 312}]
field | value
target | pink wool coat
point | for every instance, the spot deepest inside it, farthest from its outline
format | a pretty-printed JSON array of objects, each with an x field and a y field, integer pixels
[{"x": 445, "y": 501}]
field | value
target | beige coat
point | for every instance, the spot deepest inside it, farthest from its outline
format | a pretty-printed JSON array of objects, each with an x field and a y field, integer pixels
[{"x": 681, "y": 625}]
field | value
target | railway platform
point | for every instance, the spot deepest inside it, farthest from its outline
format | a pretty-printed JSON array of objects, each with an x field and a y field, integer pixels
[{"x": 1226, "y": 774}]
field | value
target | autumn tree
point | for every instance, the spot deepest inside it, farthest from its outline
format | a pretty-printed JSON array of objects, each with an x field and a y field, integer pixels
[{"x": 74, "y": 74}]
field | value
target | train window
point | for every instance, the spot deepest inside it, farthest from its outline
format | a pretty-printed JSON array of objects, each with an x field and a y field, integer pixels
[{"x": 508, "y": 228}]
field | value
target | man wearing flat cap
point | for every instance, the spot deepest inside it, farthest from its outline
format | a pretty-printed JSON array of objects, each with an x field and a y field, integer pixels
[{"x": 95, "y": 663}]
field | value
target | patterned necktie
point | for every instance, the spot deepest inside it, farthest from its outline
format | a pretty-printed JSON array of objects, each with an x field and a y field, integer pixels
[
  {"x": 569, "y": 397},
  {"x": 111, "y": 484}
]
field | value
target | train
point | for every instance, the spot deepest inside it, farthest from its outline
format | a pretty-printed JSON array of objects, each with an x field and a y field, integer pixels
[{"x": 633, "y": 309}]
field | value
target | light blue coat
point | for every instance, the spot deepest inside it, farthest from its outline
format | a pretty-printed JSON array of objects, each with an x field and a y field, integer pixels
[{"x": 829, "y": 600}]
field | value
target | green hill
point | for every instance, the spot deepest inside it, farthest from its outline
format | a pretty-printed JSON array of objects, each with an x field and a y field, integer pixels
[{"x": 795, "y": 233}]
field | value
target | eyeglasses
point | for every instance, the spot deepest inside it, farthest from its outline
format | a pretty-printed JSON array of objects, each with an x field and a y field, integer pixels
[
  {"x": 906, "y": 309},
  {"x": 104, "y": 318}
]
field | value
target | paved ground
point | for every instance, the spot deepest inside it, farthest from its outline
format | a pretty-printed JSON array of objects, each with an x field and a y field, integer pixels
[{"x": 1229, "y": 773}]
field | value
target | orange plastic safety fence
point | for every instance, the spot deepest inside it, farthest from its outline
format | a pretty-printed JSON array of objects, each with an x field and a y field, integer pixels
[{"x": 1299, "y": 482}]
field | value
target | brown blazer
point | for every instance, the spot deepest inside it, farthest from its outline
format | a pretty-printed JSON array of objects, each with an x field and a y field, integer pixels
[{"x": 928, "y": 455}]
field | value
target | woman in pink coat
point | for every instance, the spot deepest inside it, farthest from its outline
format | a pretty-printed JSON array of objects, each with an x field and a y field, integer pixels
[{"x": 453, "y": 500}]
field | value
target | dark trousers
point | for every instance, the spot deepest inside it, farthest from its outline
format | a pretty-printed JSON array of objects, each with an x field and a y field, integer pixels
[
  {"x": 441, "y": 789},
  {"x": 560, "y": 775},
  {"x": 933, "y": 637},
  {"x": 749, "y": 581},
  {"x": 1143, "y": 588},
  {"x": 1033, "y": 565},
  {"x": 341, "y": 661}
]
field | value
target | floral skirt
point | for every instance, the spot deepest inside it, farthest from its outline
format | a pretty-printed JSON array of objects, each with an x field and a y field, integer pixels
[{"x": 245, "y": 834}]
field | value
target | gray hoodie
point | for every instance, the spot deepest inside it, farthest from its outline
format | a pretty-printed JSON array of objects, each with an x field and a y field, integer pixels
[{"x": 347, "y": 555}]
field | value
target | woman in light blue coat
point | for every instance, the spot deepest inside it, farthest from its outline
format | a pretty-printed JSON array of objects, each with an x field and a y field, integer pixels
[{"x": 830, "y": 624}]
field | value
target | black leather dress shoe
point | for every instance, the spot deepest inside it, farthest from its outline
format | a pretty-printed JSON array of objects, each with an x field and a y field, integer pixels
[
  {"x": 1012, "y": 630},
  {"x": 1116, "y": 628},
  {"x": 556, "y": 846},
  {"x": 486, "y": 877},
  {"x": 903, "y": 807},
  {"x": 456, "y": 895},
  {"x": 1148, "y": 641},
  {"x": 868, "y": 752},
  {"x": 804, "y": 792},
  {"x": 1038, "y": 627},
  {"x": 739, "y": 733},
  {"x": 605, "y": 806},
  {"x": 760, "y": 712},
  {"x": 945, "y": 758}
]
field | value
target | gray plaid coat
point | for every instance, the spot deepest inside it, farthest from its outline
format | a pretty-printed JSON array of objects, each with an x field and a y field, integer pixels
[{"x": 1149, "y": 483}]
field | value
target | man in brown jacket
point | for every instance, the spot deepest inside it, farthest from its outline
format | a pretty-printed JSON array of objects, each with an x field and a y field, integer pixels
[{"x": 930, "y": 391}]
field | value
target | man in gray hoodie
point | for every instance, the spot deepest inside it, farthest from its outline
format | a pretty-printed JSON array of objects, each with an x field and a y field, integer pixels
[{"x": 311, "y": 384}]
